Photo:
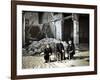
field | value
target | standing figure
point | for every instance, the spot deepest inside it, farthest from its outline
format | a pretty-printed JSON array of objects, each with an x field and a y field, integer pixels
[
  {"x": 47, "y": 53},
  {"x": 70, "y": 49},
  {"x": 60, "y": 51}
]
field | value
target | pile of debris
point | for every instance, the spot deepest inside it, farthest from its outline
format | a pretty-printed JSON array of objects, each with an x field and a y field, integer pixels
[{"x": 37, "y": 47}]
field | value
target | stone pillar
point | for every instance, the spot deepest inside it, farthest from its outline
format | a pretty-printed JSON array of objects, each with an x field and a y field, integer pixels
[
  {"x": 52, "y": 24},
  {"x": 58, "y": 25},
  {"x": 75, "y": 19}
]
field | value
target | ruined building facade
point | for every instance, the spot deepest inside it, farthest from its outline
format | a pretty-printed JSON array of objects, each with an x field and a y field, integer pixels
[{"x": 39, "y": 25}]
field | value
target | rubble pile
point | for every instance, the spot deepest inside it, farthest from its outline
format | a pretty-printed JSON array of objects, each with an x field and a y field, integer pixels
[{"x": 38, "y": 46}]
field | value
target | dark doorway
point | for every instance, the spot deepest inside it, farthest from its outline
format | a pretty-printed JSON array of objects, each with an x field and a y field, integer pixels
[{"x": 67, "y": 29}]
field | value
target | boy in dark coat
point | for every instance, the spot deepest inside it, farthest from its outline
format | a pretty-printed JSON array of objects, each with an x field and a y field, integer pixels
[
  {"x": 70, "y": 49},
  {"x": 60, "y": 50},
  {"x": 47, "y": 53}
]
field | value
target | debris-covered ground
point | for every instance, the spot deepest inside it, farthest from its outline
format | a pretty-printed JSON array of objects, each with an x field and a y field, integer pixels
[
  {"x": 33, "y": 56},
  {"x": 37, "y": 61},
  {"x": 38, "y": 46}
]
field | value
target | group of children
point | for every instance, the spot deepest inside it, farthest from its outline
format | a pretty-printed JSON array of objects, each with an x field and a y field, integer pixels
[{"x": 60, "y": 52}]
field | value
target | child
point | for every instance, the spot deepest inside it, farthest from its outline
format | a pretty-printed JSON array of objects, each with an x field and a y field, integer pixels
[
  {"x": 47, "y": 52},
  {"x": 70, "y": 49}
]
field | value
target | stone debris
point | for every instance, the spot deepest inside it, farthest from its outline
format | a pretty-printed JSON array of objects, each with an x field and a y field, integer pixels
[{"x": 38, "y": 46}]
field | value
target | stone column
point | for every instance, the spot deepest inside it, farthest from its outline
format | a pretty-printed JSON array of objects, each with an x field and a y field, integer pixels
[
  {"x": 75, "y": 18},
  {"x": 58, "y": 26},
  {"x": 52, "y": 24}
]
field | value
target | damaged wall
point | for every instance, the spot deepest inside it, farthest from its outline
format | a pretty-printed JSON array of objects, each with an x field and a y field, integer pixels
[{"x": 40, "y": 25}]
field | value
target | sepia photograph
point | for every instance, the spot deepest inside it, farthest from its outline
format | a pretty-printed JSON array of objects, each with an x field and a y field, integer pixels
[{"x": 54, "y": 40}]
